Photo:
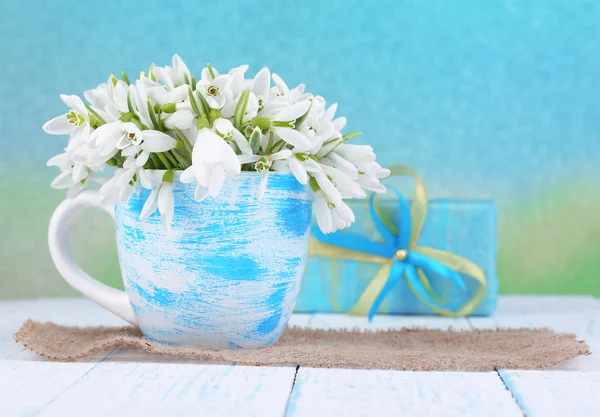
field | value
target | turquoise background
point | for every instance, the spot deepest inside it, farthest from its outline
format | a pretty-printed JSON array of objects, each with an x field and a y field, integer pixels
[{"x": 485, "y": 99}]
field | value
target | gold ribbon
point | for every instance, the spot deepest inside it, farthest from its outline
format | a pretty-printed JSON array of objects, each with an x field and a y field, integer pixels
[{"x": 418, "y": 212}]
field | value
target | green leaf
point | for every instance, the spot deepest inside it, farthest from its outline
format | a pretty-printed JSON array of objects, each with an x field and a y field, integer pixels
[
  {"x": 193, "y": 83},
  {"x": 125, "y": 78},
  {"x": 127, "y": 117},
  {"x": 302, "y": 118},
  {"x": 113, "y": 80},
  {"x": 129, "y": 105},
  {"x": 240, "y": 110},
  {"x": 153, "y": 118},
  {"x": 210, "y": 71},
  {"x": 204, "y": 103},
  {"x": 186, "y": 78},
  {"x": 151, "y": 73},
  {"x": 255, "y": 140},
  {"x": 350, "y": 136},
  {"x": 194, "y": 103}
]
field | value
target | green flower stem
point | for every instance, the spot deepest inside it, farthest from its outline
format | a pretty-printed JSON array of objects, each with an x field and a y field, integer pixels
[
  {"x": 270, "y": 143},
  {"x": 181, "y": 137},
  {"x": 149, "y": 164},
  {"x": 100, "y": 120},
  {"x": 120, "y": 160},
  {"x": 345, "y": 138},
  {"x": 164, "y": 160},
  {"x": 181, "y": 159},
  {"x": 156, "y": 161},
  {"x": 171, "y": 159}
]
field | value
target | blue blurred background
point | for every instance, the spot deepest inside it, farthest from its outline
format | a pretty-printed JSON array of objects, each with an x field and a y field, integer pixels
[{"x": 486, "y": 99}]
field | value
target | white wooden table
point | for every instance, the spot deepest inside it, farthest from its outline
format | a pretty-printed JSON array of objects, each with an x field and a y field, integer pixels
[{"x": 130, "y": 383}]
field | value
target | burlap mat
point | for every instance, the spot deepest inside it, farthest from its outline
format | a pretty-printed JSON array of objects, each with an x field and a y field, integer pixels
[{"x": 412, "y": 349}]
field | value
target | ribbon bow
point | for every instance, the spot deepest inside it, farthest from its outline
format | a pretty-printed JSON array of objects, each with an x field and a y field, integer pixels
[{"x": 400, "y": 256}]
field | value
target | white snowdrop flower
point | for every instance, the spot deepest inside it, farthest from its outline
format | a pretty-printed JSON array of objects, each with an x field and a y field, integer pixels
[
  {"x": 283, "y": 125},
  {"x": 132, "y": 142},
  {"x": 225, "y": 129},
  {"x": 370, "y": 182},
  {"x": 348, "y": 187},
  {"x": 166, "y": 121},
  {"x": 300, "y": 164},
  {"x": 215, "y": 89},
  {"x": 119, "y": 188},
  {"x": 264, "y": 164},
  {"x": 161, "y": 198},
  {"x": 213, "y": 161},
  {"x": 174, "y": 76},
  {"x": 74, "y": 122},
  {"x": 331, "y": 216},
  {"x": 356, "y": 153}
]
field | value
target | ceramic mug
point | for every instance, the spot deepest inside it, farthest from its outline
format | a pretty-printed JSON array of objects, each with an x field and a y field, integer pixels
[{"x": 227, "y": 275}]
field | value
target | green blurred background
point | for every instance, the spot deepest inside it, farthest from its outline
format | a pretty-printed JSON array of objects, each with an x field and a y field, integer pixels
[{"x": 495, "y": 99}]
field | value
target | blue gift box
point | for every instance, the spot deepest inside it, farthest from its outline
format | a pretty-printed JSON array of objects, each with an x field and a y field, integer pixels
[{"x": 464, "y": 227}]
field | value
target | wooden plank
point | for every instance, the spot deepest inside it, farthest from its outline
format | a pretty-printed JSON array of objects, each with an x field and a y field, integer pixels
[
  {"x": 147, "y": 389},
  {"x": 349, "y": 393},
  {"x": 27, "y": 387},
  {"x": 560, "y": 393},
  {"x": 300, "y": 320},
  {"x": 67, "y": 311},
  {"x": 384, "y": 322},
  {"x": 543, "y": 304}
]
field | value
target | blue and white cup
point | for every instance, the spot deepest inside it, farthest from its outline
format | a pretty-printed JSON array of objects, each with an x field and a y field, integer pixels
[{"x": 226, "y": 276}]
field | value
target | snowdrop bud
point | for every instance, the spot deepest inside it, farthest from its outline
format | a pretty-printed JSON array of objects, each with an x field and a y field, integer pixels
[
  {"x": 255, "y": 140},
  {"x": 261, "y": 122},
  {"x": 169, "y": 108}
]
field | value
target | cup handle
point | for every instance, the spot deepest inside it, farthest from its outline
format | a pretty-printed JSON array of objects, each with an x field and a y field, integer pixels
[{"x": 110, "y": 298}]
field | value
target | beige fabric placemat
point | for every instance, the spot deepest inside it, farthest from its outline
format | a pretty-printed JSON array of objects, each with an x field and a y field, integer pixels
[{"x": 407, "y": 349}]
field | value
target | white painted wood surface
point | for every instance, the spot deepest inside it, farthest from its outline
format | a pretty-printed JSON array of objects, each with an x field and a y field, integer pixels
[
  {"x": 128, "y": 382},
  {"x": 555, "y": 394},
  {"x": 355, "y": 393},
  {"x": 27, "y": 387},
  {"x": 142, "y": 389}
]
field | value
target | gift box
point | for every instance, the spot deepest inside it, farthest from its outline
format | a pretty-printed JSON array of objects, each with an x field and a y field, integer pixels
[{"x": 449, "y": 268}]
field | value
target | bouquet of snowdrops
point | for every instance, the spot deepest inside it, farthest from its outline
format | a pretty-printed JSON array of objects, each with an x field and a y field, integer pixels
[{"x": 211, "y": 129}]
